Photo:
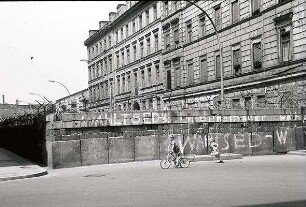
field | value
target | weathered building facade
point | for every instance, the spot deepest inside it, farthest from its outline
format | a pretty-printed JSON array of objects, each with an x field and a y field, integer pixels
[
  {"x": 76, "y": 102},
  {"x": 124, "y": 59},
  {"x": 166, "y": 55}
]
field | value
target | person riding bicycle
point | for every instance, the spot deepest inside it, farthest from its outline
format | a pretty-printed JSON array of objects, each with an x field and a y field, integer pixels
[
  {"x": 215, "y": 152},
  {"x": 174, "y": 148}
]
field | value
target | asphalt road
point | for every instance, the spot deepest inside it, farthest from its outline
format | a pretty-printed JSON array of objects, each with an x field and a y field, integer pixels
[{"x": 260, "y": 180}]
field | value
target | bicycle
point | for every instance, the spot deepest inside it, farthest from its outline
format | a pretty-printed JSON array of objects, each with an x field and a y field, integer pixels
[{"x": 183, "y": 162}]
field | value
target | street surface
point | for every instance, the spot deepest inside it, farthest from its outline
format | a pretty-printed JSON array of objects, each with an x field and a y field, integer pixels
[{"x": 278, "y": 180}]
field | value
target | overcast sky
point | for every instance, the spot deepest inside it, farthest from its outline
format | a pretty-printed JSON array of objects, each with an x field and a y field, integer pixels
[{"x": 54, "y": 34}]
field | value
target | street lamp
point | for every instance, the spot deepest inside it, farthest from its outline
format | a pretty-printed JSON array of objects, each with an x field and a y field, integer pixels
[
  {"x": 84, "y": 60},
  {"x": 42, "y": 97},
  {"x": 53, "y": 81},
  {"x": 220, "y": 48}
]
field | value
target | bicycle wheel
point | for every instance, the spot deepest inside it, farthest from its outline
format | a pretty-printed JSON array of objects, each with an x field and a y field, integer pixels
[
  {"x": 165, "y": 164},
  {"x": 191, "y": 157},
  {"x": 185, "y": 162}
]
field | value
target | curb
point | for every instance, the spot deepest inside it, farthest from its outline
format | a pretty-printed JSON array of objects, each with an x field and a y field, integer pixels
[
  {"x": 25, "y": 176},
  {"x": 298, "y": 152},
  {"x": 212, "y": 158}
]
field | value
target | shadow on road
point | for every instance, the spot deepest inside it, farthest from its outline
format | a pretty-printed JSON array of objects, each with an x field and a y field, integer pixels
[{"x": 300, "y": 203}]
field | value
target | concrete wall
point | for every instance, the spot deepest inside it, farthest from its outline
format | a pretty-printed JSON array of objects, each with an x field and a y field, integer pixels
[{"x": 87, "y": 139}]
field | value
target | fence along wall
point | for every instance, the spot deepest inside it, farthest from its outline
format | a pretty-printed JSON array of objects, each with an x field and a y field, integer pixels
[{"x": 101, "y": 138}]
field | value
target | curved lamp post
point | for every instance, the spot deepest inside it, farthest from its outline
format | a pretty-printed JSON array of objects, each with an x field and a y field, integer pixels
[
  {"x": 53, "y": 81},
  {"x": 219, "y": 44},
  {"x": 42, "y": 97},
  {"x": 84, "y": 60}
]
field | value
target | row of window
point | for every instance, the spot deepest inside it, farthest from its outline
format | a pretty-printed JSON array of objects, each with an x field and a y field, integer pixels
[
  {"x": 284, "y": 48},
  {"x": 149, "y": 75},
  {"x": 144, "y": 47},
  {"x": 172, "y": 29},
  {"x": 136, "y": 24},
  {"x": 139, "y": 49}
]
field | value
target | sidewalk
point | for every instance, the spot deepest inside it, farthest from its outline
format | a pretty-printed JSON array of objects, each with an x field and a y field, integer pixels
[
  {"x": 14, "y": 167},
  {"x": 297, "y": 152}
]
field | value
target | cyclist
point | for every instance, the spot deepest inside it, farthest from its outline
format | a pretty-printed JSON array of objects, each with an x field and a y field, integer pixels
[
  {"x": 174, "y": 148},
  {"x": 215, "y": 151}
]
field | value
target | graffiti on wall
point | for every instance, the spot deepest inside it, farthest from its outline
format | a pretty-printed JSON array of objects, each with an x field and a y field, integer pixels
[
  {"x": 139, "y": 118},
  {"x": 194, "y": 143}
]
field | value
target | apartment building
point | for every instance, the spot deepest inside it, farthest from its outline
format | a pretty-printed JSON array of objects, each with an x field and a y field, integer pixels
[
  {"x": 75, "y": 102},
  {"x": 263, "y": 53},
  {"x": 124, "y": 59},
  {"x": 167, "y": 55}
]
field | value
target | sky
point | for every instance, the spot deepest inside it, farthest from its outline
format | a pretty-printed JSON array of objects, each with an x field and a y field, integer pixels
[{"x": 53, "y": 33}]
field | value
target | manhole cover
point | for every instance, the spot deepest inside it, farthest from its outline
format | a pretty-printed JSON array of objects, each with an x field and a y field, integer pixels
[{"x": 95, "y": 175}]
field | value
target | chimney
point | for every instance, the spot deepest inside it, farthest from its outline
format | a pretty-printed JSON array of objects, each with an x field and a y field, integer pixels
[
  {"x": 102, "y": 24},
  {"x": 112, "y": 16},
  {"x": 91, "y": 32},
  {"x": 3, "y": 101},
  {"x": 121, "y": 9}
]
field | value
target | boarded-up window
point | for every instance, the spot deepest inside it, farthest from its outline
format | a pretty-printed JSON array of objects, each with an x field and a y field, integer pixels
[
  {"x": 143, "y": 79},
  {"x": 177, "y": 73},
  {"x": 123, "y": 84},
  {"x": 261, "y": 101},
  {"x": 235, "y": 12},
  {"x": 285, "y": 45},
  {"x": 140, "y": 22},
  {"x": 141, "y": 49},
  {"x": 189, "y": 31},
  {"x": 218, "y": 19},
  {"x": 236, "y": 103},
  {"x": 127, "y": 56},
  {"x": 149, "y": 77},
  {"x": 217, "y": 66},
  {"x": 122, "y": 56},
  {"x": 201, "y": 26},
  {"x": 135, "y": 51},
  {"x": 248, "y": 102},
  {"x": 118, "y": 85},
  {"x": 176, "y": 35},
  {"x": 148, "y": 46},
  {"x": 134, "y": 26},
  {"x": 257, "y": 56},
  {"x": 168, "y": 79},
  {"x": 167, "y": 39},
  {"x": 237, "y": 61},
  {"x": 117, "y": 60},
  {"x": 203, "y": 69},
  {"x": 155, "y": 12},
  {"x": 147, "y": 17},
  {"x": 255, "y": 6},
  {"x": 157, "y": 74},
  {"x": 156, "y": 42},
  {"x": 190, "y": 73},
  {"x": 136, "y": 81},
  {"x": 128, "y": 83},
  {"x": 166, "y": 9}
]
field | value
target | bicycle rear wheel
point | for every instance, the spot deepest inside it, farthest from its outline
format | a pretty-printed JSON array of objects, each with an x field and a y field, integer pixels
[
  {"x": 185, "y": 162},
  {"x": 165, "y": 164}
]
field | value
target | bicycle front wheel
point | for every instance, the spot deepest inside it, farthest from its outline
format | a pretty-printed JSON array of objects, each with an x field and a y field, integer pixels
[
  {"x": 185, "y": 162},
  {"x": 165, "y": 164}
]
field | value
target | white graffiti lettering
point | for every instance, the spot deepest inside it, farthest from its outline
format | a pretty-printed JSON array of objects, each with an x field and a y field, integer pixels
[{"x": 281, "y": 137}]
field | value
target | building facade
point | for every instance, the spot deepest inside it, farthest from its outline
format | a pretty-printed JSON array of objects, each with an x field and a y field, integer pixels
[
  {"x": 76, "y": 102},
  {"x": 167, "y": 55}
]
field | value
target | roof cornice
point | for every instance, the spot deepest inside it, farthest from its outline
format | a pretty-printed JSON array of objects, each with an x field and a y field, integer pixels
[{"x": 108, "y": 27}]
